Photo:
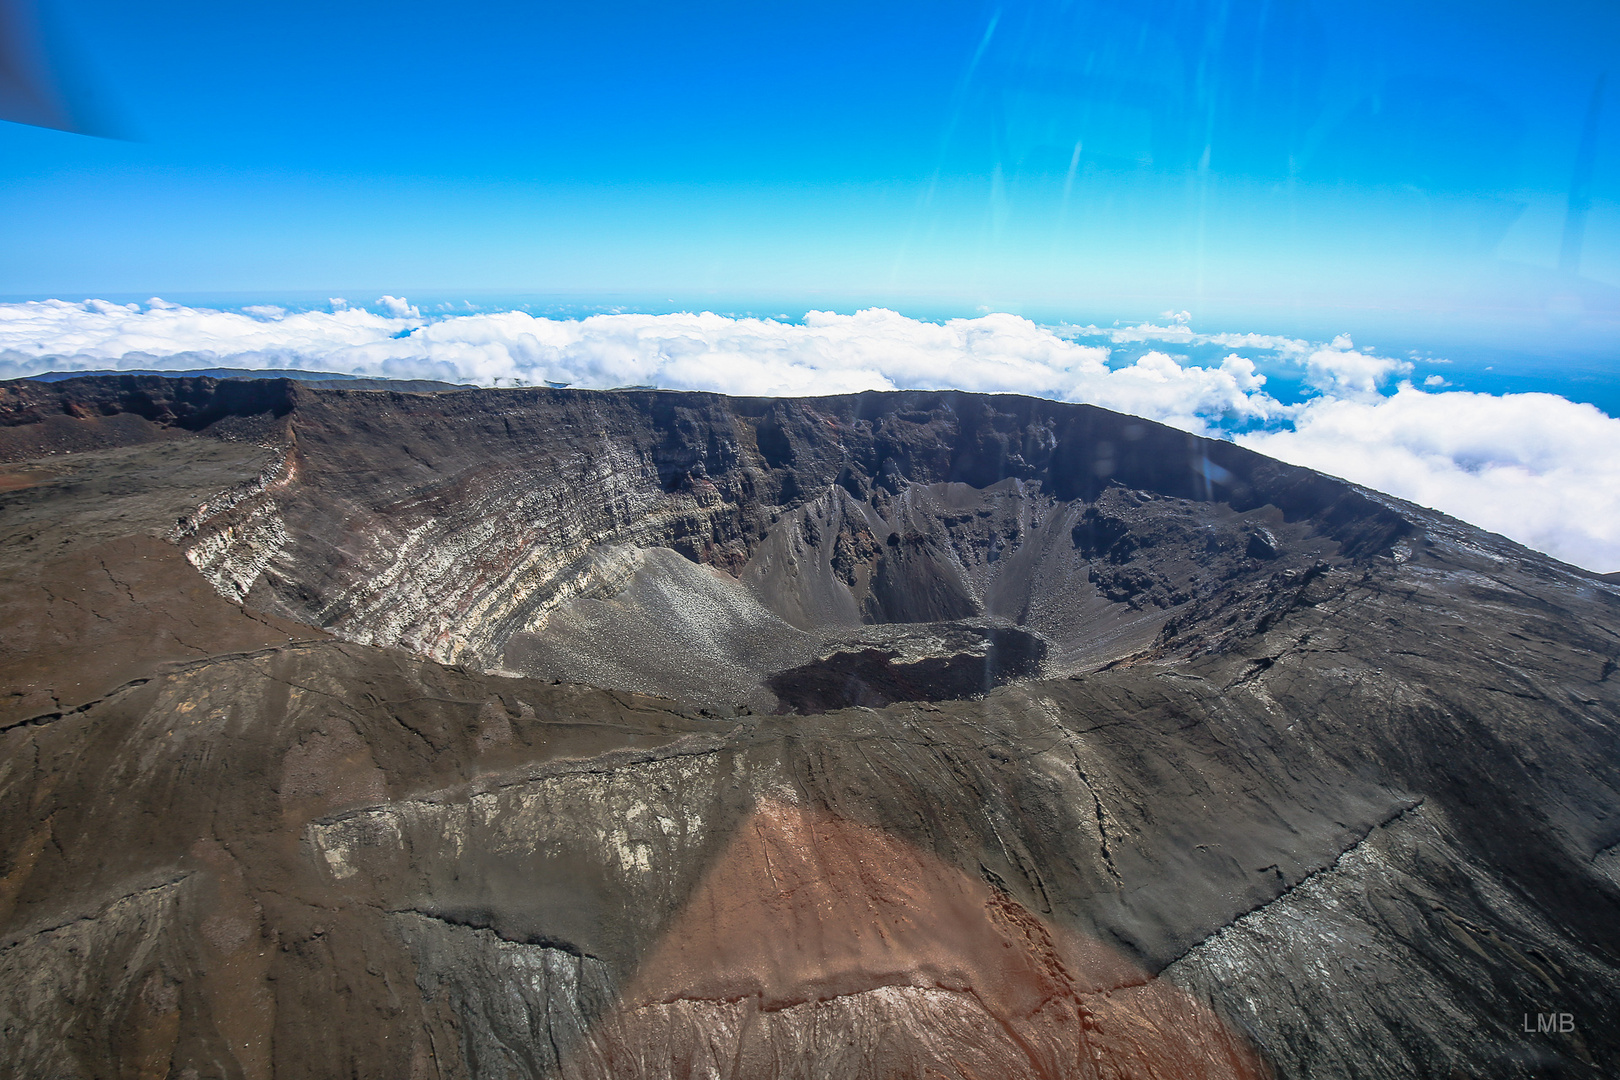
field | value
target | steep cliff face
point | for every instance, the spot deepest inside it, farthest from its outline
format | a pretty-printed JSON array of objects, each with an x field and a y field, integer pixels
[
  {"x": 998, "y": 738},
  {"x": 698, "y": 546}
]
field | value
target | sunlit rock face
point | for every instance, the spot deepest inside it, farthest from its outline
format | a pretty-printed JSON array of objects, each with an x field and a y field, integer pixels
[{"x": 587, "y": 735}]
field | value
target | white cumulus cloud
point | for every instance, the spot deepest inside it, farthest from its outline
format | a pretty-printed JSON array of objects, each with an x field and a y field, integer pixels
[
  {"x": 1538, "y": 468},
  {"x": 826, "y": 353},
  {"x": 1340, "y": 369},
  {"x": 398, "y": 307}
]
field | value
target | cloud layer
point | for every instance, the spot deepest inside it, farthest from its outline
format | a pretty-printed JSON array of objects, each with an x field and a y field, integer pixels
[
  {"x": 1535, "y": 467},
  {"x": 1538, "y": 468},
  {"x": 824, "y": 354}
]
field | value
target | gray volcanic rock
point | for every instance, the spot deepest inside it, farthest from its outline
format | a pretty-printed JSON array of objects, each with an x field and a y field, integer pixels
[
  {"x": 997, "y": 738},
  {"x": 517, "y": 530}
]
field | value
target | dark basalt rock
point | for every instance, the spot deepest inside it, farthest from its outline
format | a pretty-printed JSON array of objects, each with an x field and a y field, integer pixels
[
  {"x": 1262, "y": 545},
  {"x": 549, "y": 733},
  {"x": 875, "y": 677}
]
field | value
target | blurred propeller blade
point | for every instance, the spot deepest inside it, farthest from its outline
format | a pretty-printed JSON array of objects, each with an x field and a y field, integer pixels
[{"x": 34, "y": 85}]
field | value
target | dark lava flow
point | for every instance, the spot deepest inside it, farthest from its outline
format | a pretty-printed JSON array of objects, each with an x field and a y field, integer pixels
[
  {"x": 878, "y": 677},
  {"x": 561, "y": 734}
]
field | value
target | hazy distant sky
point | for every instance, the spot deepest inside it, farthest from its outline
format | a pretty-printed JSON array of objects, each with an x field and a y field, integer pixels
[{"x": 1052, "y": 158}]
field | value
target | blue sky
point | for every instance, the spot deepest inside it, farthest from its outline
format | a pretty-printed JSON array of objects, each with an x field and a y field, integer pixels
[{"x": 1374, "y": 165}]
